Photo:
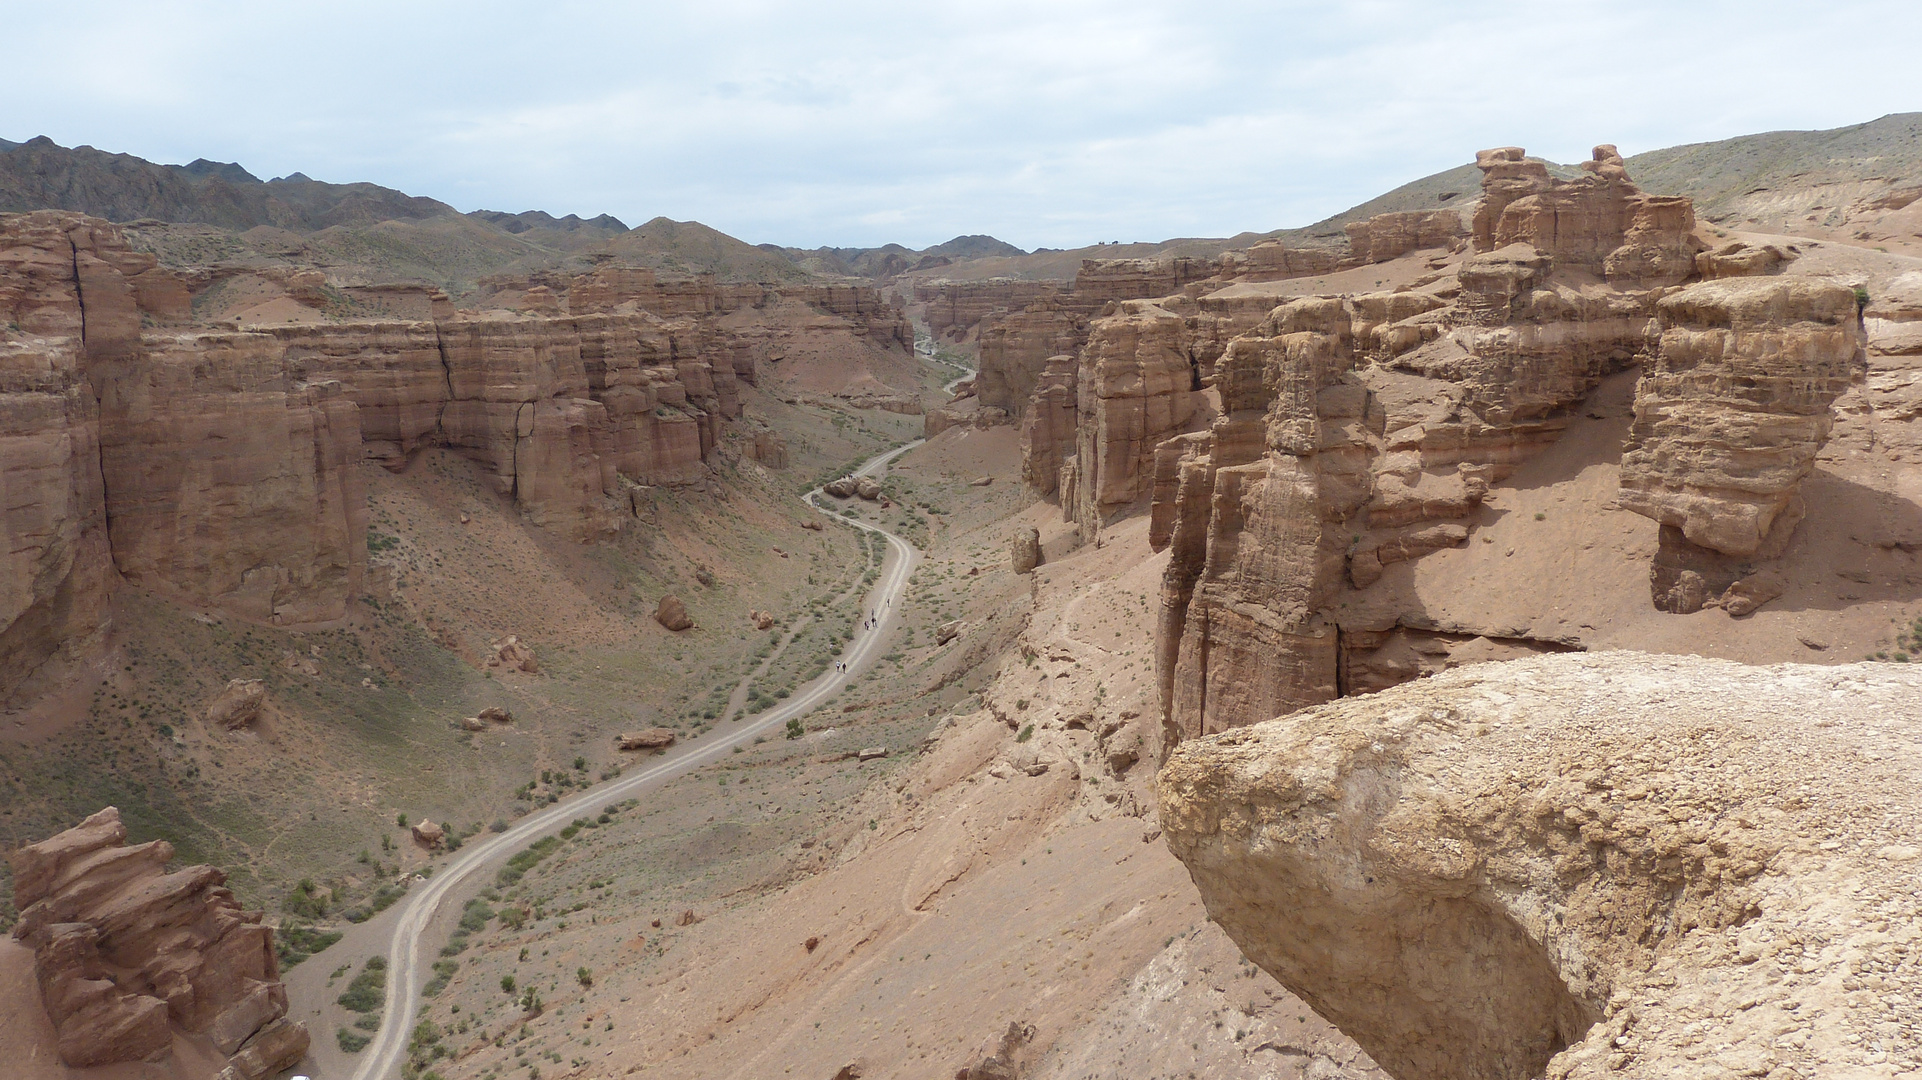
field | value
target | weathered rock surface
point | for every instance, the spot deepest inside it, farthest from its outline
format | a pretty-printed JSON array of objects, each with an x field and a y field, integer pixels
[
  {"x": 840, "y": 489},
  {"x": 868, "y": 488},
  {"x": 1729, "y": 418},
  {"x": 1048, "y": 425},
  {"x": 1016, "y": 347},
  {"x": 672, "y": 613},
  {"x": 1580, "y": 866},
  {"x": 230, "y": 481},
  {"x": 956, "y": 308},
  {"x": 125, "y": 952},
  {"x": 429, "y": 833},
  {"x": 645, "y": 739},
  {"x": 239, "y": 704}
]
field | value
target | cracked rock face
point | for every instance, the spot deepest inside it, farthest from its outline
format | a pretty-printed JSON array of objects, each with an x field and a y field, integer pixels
[{"x": 1581, "y": 866}]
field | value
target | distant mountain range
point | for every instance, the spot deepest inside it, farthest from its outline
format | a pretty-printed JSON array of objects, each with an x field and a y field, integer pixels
[
  {"x": 40, "y": 174},
  {"x": 1853, "y": 182}
]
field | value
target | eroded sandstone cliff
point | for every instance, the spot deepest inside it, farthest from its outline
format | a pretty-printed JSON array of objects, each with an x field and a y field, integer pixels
[
  {"x": 1362, "y": 431},
  {"x": 220, "y": 465}
]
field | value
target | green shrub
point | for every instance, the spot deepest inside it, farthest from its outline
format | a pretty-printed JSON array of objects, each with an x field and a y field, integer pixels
[
  {"x": 349, "y": 1042},
  {"x": 794, "y": 729},
  {"x": 292, "y": 944},
  {"x": 1026, "y": 734},
  {"x": 368, "y": 991},
  {"x": 525, "y": 860}
]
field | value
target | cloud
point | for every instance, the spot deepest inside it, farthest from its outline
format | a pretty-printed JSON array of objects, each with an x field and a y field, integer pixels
[{"x": 860, "y": 123}]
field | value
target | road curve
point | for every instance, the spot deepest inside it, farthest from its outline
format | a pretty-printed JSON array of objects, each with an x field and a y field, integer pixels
[{"x": 406, "y": 961}]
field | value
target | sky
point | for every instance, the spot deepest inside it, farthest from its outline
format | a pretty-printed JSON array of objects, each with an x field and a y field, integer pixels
[{"x": 1043, "y": 123}]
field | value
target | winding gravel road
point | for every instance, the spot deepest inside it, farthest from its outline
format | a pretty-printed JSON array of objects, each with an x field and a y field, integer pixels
[{"x": 409, "y": 954}]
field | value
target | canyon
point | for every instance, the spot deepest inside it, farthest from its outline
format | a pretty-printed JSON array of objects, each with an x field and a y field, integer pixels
[{"x": 1466, "y": 635}]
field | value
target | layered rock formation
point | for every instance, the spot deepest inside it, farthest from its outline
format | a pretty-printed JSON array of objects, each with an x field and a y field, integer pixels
[
  {"x": 58, "y": 570},
  {"x": 1730, "y": 416},
  {"x": 221, "y": 468},
  {"x": 126, "y": 953},
  {"x": 1388, "y": 236},
  {"x": 955, "y": 308},
  {"x": 1580, "y": 866},
  {"x": 1135, "y": 386},
  {"x": 1007, "y": 369},
  {"x": 1101, "y": 280},
  {"x": 1357, "y": 434},
  {"x": 1047, "y": 429}
]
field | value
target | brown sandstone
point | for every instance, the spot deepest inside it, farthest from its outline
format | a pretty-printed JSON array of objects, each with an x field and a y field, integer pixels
[
  {"x": 1358, "y": 433},
  {"x": 1024, "y": 549}
]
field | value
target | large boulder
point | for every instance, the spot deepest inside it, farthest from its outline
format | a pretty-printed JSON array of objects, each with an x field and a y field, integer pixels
[
  {"x": 654, "y": 738},
  {"x": 868, "y": 488},
  {"x": 1024, "y": 549},
  {"x": 125, "y": 952},
  {"x": 1603, "y": 865},
  {"x": 239, "y": 704},
  {"x": 672, "y": 613}
]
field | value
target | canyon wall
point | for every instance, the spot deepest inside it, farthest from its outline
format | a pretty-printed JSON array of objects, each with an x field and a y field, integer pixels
[
  {"x": 955, "y": 308},
  {"x": 221, "y": 467}
]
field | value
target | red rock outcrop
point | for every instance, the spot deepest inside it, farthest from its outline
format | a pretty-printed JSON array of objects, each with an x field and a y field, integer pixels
[
  {"x": 221, "y": 467},
  {"x": 1015, "y": 347},
  {"x": 1101, "y": 280},
  {"x": 1271, "y": 260},
  {"x": 125, "y": 952},
  {"x": 1601, "y": 223},
  {"x": 1135, "y": 387}
]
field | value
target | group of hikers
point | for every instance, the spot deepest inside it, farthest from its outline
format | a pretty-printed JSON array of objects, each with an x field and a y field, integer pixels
[{"x": 867, "y": 624}]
